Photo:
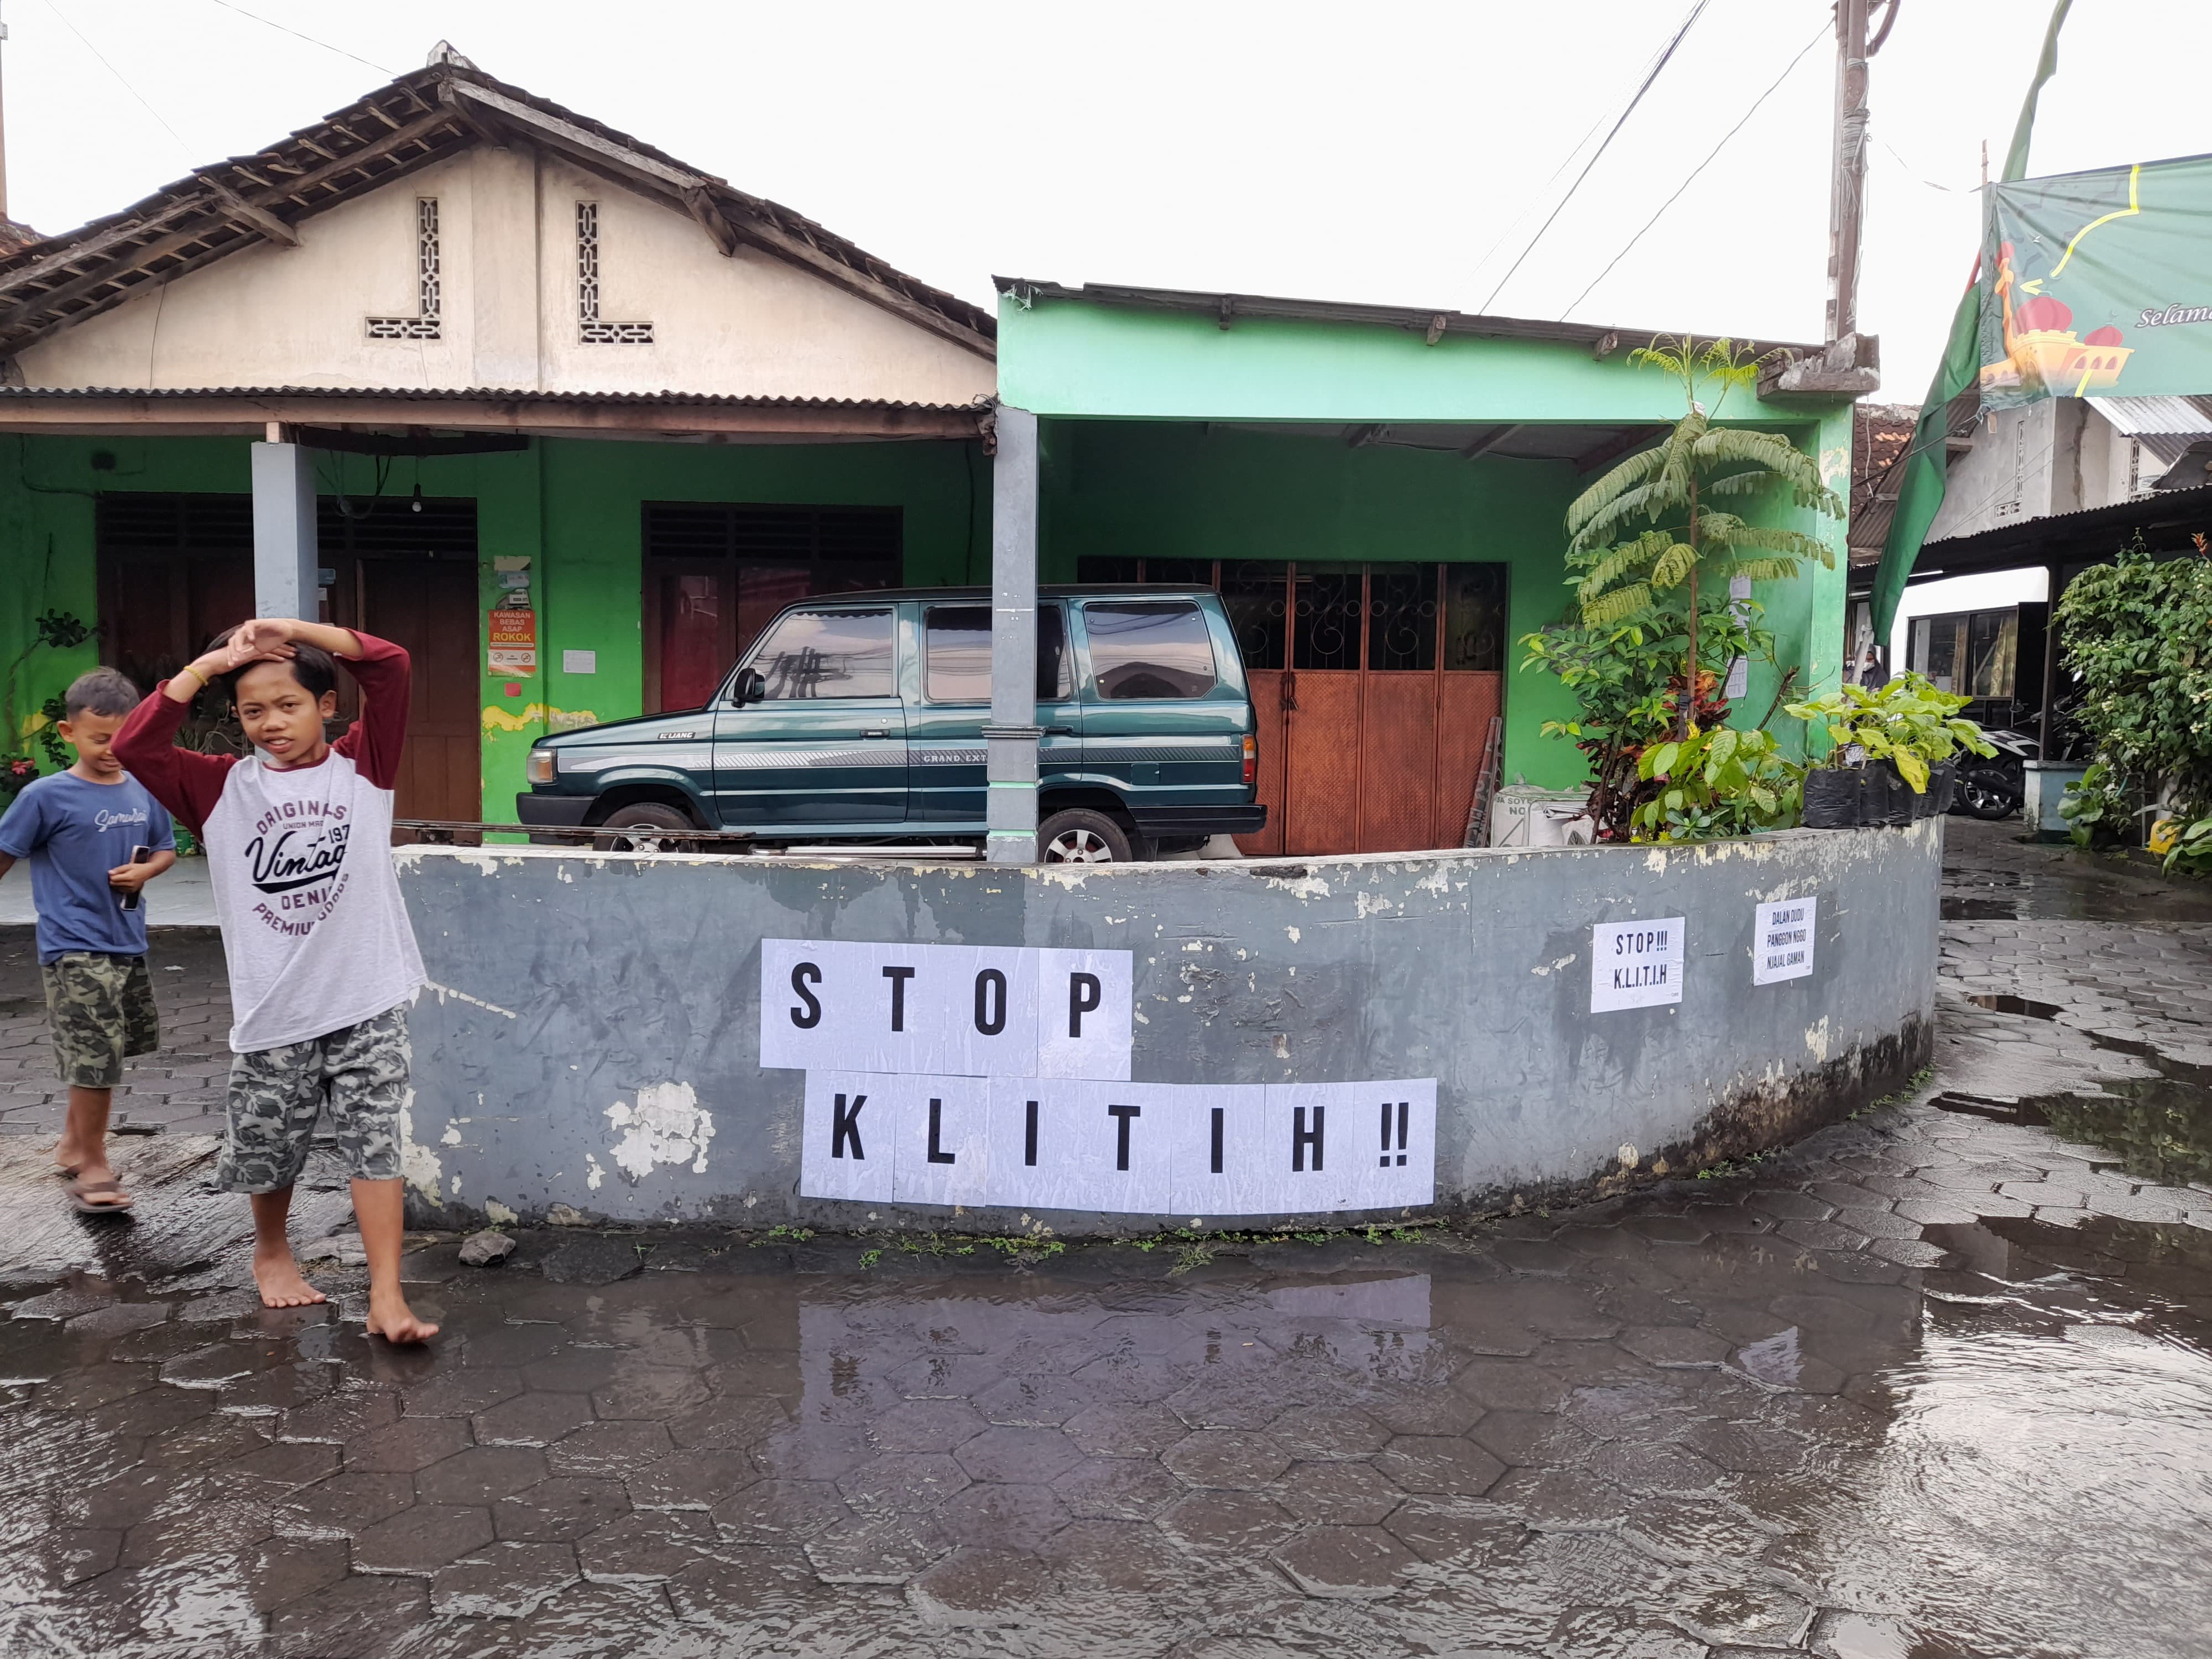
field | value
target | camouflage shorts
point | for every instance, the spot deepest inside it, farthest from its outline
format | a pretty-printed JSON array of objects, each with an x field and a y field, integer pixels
[
  {"x": 101, "y": 1009},
  {"x": 276, "y": 1095}
]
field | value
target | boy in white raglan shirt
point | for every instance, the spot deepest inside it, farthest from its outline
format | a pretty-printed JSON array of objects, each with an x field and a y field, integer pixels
[{"x": 322, "y": 959}]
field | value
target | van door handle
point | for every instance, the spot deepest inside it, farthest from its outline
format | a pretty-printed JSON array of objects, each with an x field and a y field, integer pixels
[
  {"x": 879, "y": 732},
  {"x": 1060, "y": 731}
]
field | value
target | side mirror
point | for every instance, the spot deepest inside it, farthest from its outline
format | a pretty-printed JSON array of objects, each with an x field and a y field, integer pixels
[{"x": 748, "y": 687}]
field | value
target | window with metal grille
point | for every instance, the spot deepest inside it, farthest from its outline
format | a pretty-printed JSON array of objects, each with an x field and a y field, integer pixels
[{"x": 429, "y": 283}]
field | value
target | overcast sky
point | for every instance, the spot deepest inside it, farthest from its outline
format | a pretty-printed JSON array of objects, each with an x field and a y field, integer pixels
[{"x": 1389, "y": 151}]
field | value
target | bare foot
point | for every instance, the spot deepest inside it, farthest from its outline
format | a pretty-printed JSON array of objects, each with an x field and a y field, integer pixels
[
  {"x": 282, "y": 1285},
  {"x": 392, "y": 1319}
]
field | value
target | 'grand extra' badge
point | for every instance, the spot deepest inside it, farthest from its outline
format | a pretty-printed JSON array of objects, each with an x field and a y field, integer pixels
[{"x": 296, "y": 856}]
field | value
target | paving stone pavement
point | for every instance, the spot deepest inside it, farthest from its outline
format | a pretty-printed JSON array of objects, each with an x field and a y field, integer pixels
[
  {"x": 179, "y": 1090},
  {"x": 1936, "y": 1384}
]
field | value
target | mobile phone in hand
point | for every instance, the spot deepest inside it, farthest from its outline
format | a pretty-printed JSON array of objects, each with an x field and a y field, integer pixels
[{"x": 138, "y": 855}]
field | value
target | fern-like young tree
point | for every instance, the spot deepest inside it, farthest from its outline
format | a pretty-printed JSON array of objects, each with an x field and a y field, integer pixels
[{"x": 1652, "y": 514}]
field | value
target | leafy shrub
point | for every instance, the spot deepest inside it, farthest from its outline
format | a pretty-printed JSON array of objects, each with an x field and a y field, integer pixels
[
  {"x": 2138, "y": 637},
  {"x": 1907, "y": 722}
]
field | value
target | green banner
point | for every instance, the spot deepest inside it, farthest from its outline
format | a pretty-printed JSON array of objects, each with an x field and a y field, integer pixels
[{"x": 2098, "y": 284}]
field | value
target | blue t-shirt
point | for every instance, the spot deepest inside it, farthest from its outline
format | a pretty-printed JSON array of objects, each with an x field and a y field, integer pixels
[{"x": 74, "y": 833}]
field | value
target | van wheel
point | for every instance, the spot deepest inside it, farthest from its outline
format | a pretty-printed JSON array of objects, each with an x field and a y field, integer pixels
[
  {"x": 1079, "y": 835},
  {"x": 645, "y": 826}
]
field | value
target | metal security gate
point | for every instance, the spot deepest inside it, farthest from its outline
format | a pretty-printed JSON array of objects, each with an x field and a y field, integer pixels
[{"x": 1373, "y": 685}]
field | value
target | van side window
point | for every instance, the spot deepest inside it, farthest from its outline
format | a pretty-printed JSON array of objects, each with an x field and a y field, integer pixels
[
  {"x": 829, "y": 654},
  {"x": 957, "y": 654},
  {"x": 1149, "y": 648}
]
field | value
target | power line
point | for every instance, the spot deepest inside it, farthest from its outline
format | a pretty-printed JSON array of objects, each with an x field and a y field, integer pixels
[
  {"x": 118, "y": 74},
  {"x": 1756, "y": 106},
  {"x": 1695, "y": 11},
  {"x": 283, "y": 28}
]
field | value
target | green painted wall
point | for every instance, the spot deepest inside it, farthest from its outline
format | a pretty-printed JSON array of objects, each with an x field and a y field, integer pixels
[
  {"x": 573, "y": 506},
  {"x": 1165, "y": 489},
  {"x": 1066, "y": 357}
]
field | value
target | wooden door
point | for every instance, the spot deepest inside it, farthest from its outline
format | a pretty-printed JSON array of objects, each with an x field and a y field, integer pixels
[{"x": 429, "y": 606}]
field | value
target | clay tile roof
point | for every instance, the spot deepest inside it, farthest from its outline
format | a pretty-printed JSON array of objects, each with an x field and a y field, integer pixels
[{"x": 406, "y": 125}]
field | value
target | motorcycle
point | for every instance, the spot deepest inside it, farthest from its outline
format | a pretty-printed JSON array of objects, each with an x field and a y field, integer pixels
[{"x": 1993, "y": 787}]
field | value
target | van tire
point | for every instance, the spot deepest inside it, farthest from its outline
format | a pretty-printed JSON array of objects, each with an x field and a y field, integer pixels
[
  {"x": 654, "y": 827},
  {"x": 1081, "y": 836}
]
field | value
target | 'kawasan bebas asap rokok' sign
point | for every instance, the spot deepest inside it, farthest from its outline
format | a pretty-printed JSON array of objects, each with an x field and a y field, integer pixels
[{"x": 974, "y": 1075}]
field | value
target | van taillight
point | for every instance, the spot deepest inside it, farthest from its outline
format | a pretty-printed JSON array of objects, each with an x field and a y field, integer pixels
[{"x": 1251, "y": 760}]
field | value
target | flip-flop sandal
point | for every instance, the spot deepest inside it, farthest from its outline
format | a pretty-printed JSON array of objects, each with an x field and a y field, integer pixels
[{"x": 81, "y": 1194}]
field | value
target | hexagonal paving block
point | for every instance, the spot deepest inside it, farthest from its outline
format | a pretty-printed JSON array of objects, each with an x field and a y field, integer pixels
[
  {"x": 1458, "y": 1532},
  {"x": 344, "y": 1415},
  {"x": 118, "y": 1319},
  {"x": 1013, "y": 1517},
  {"x": 461, "y": 1393},
  {"x": 561, "y": 1510},
  {"x": 481, "y": 1474},
  {"x": 927, "y": 1426},
  {"x": 903, "y": 1483},
  {"x": 1018, "y": 1453},
  {"x": 733, "y": 1588},
  {"x": 284, "y": 1569},
  {"x": 1505, "y": 1386},
  {"x": 1647, "y": 1467},
  {"x": 975, "y": 1589},
  {"x": 1315, "y": 1433},
  {"x": 1033, "y": 1401},
  {"x": 1683, "y": 1531},
  {"x": 1747, "y": 1447},
  {"x": 213, "y": 1366},
  {"x": 608, "y": 1448},
  {"x": 779, "y": 1511},
  {"x": 422, "y": 1538},
  {"x": 1237, "y": 1524},
  {"x": 1423, "y": 1410},
  {"x": 1124, "y": 1429},
  {"x": 1434, "y": 1463},
  {"x": 811, "y": 1451},
  {"x": 284, "y": 1465},
  {"x": 1117, "y": 1488},
  {"x": 122, "y": 1500},
  {"x": 695, "y": 1481},
  {"x": 151, "y": 1411},
  {"x": 511, "y": 1344},
  {"x": 1227, "y": 1458},
  {"x": 1127, "y": 1557},
  {"x": 1130, "y": 1377},
  {"x": 1346, "y": 1563},
  {"x": 1560, "y": 1500},
  {"x": 532, "y": 1419},
  {"x": 504, "y": 1582},
  {"x": 1674, "y": 1345},
  {"x": 729, "y": 1423},
  {"x": 1344, "y": 1494},
  {"x": 343, "y": 1504},
  {"x": 645, "y": 1546},
  {"x": 885, "y": 1550},
  {"x": 945, "y": 1376},
  {"x": 356, "y": 1614},
  {"x": 649, "y": 1391},
  {"x": 1726, "y": 1610}
]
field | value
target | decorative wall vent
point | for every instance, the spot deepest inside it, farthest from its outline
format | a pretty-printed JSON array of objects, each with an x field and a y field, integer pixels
[
  {"x": 428, "y": 282},
  {"x": 593, "y": 331}
]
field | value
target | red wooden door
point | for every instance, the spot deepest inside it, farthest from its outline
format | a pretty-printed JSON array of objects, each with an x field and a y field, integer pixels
[{"x": 429, "y": 606}]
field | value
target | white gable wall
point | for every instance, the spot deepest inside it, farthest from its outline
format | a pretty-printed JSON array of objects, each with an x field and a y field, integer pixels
[{"x": 747, "y": 326}]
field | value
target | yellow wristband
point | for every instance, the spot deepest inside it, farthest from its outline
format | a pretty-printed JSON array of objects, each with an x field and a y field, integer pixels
[{"x": 194, "y": 673}]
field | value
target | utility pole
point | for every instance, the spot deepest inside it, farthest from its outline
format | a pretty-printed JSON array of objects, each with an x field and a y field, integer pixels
[
  {"x": 1850, "y": 363},
  {"x": 4, "y": 122},
  {"x": 1847, "y": 188}
]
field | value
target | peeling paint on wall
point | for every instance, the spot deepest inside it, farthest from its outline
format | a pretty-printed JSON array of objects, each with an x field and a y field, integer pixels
[
  {"x": 418, "y": 1164},
  {"x": 667, "y": 1125}
]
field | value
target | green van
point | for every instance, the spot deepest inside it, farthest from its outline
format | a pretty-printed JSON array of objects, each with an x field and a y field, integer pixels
[{"x": 860, "y": 718}]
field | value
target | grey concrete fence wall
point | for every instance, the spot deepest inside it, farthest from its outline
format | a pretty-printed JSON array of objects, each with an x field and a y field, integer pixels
[{"x": 591, "y": 1034}]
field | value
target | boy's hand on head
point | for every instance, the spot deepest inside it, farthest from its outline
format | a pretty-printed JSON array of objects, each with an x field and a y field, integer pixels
[{"x": 262, "y": 637}]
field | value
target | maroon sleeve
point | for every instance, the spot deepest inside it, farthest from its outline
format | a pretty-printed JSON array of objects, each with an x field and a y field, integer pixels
[
  {"x": 188, "y": 784},
  {"x": 373, "y": 742}
]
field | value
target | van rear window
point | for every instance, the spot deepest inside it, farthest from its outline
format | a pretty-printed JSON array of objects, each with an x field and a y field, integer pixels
[
  {"x": 957, "y": 654},
  {"x": 1145, "y": 648}
]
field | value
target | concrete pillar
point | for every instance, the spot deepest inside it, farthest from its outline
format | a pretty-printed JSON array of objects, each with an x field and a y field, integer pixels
[
  {"x": 1011, "y": 736},
  {"x": 285, "y": 552}
]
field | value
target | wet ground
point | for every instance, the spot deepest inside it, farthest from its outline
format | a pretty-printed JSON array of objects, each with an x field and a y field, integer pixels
[{"x": 1936, "y": 1385}]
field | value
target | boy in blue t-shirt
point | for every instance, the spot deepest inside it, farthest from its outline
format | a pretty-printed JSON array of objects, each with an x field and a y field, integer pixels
[{"x": 82, "y": 831}]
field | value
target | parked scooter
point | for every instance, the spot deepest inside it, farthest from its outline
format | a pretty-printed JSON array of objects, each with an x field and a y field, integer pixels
[{"x": 1993, "y": 787}]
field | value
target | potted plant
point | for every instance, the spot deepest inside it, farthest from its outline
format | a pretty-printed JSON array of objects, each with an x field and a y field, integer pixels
[{"x": 1889, "y": 756}]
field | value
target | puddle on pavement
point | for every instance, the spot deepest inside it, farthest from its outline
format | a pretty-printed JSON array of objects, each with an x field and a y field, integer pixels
[
  {"x": 1977, "y": 909},
  {"x": 2004, "y": 1002},
  {"x": 1696, "y": 1417},
  {"x": 2159, "y": 1129}
]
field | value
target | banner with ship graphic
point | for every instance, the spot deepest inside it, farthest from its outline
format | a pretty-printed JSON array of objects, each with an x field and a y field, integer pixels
[{"x": 2098, "y": 284}]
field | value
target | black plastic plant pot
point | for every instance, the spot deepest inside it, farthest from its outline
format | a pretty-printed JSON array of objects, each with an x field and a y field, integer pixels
[
  {"x": 1832, "y": 797},
  {"x": 1885, "y": 798},
  {"x": 1942, "y": 789}
]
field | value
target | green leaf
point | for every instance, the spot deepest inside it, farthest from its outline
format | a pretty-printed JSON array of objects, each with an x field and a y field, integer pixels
[{"x": 1912, "y": 768}]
